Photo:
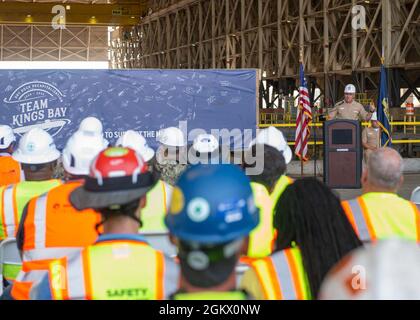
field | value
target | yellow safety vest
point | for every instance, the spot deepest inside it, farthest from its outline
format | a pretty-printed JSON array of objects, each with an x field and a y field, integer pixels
[
  {"x": 261, "y": 238},
  {"x": 281, "y": 184},
  {"x": 13, "y": 199},
  {"x": 377, "y": 215},
  {"x": 282, "y": 276},
  {"x": 212, "y": 295},
  {"x": 114, "y": 270},
  {"x": 152, "y": 216}
]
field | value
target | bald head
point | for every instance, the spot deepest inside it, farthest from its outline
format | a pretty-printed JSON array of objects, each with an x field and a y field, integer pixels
[{"x": 384, "y": 170}]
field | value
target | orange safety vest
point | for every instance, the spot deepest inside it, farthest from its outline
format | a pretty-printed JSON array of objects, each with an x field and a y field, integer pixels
[
  {"x": 10, "y": 171},
  {"x": 114, "y": 269},
  {"x": 49, "y": 233},
  {"x": 52, "y": 224},
  {"x": 282, "y": 276},
  {"x": 13, "y": 199},
  {"x": 373, "y": 219}
]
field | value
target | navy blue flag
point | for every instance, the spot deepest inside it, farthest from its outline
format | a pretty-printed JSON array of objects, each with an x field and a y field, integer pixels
[
  {"x": 141, "y": 100},
  {"x": 382, "y": 106}
]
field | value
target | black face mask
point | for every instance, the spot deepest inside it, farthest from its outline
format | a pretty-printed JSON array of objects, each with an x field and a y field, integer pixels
[{"x": 207, "y": 267}]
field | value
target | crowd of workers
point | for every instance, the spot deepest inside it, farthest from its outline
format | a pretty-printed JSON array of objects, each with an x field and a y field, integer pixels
[{"x": 82, "y": 234}]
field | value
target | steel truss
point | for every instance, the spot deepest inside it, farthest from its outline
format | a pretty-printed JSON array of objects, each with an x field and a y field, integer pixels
[{"x": 270, "y": 34}]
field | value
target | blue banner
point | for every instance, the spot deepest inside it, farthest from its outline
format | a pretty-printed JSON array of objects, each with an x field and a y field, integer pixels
[
  {"x": 382, "y": 106},
  {"x": 141, "y": 100}
]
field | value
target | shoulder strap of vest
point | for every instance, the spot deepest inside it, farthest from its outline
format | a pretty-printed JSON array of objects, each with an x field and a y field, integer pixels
[
  {"x": 67, "y": 277},
  {"x": 170, "y": 275},
  {"x": 358, "y": 216},
  {"x": 9, "y": 215},
  {"x": 417, "y": 219},
  {"x": 39, "y": 207},
  {"x": 279, "y": 278}
]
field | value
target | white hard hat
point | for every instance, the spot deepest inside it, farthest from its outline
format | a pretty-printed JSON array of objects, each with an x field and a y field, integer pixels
[
  {"x": 91, "y": 125},
  {"x": 36, "y": 147},
  {"x": 79, "y": 152},
  {"x": 274, "y": 138},
  {"x": 136, "y": 141},
  {"x": 205, "y": 143},
  {"x": 6, "y": 136},
  {"x": 387, "y": 270},
  {"x": 171, "y": 136},
  {"x": 374, "y": 117},
  {"x": 350, "y": 89},
  {"x": 415, "y": 196}
]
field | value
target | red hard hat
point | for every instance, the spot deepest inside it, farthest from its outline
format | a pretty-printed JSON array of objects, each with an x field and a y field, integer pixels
[{"x": 117, "y": 176}]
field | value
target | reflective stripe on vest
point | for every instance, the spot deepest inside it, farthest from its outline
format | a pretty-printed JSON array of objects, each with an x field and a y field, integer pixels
[
  {"x": 31, "y": 273},
  {"x": 48, "y": 253},
  {"x": 14, "y": 199},
  {"x": 53, "y": 209},
  {"x": 359, "y": 219},
  {"x": 282, "y": 276},
  {"x": 281, "y": 184},
  {"x": 362, "y": 218},
  {"x": 92, "y": 274},
  {"x": 9, "y": 214},
  {"x": 261, "y": 238},
  {"x": 40, "y": 221}
]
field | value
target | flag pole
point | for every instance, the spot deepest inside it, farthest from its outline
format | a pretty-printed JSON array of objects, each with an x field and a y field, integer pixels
[{"x": 301, "y": 110}]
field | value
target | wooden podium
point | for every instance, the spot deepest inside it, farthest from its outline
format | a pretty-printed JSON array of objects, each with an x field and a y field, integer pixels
[{"x": 342, "y": 154}]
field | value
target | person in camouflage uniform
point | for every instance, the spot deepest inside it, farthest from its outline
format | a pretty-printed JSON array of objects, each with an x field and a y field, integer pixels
[{"x": 171, "y": 156}]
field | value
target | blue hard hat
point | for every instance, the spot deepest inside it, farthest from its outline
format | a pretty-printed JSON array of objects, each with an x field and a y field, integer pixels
[{"x": 212, "y": 204}]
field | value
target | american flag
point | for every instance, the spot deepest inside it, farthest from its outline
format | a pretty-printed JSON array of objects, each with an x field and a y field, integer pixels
[{"x": 304, "y": 118}]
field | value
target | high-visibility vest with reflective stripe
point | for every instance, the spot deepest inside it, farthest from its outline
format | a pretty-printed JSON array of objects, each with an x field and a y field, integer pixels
[
  {"x": 113, "y": 270},
  {"x": 157, "y": 204},
  {"x": 53, "y": 223},
  {"x": 10, "y": 171},
  {"x": 212, "y": 295},
  {"x": 261, "y": 238},
  {"x": 282, "y": 276},
  {"x": 383, "y": 215},
  {"x": 13, "y": 199},
  {"x": 281, "y": 184}
]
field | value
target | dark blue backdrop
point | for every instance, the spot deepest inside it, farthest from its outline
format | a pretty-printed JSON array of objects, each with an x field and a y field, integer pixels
[{"x": 143, "y": 100}]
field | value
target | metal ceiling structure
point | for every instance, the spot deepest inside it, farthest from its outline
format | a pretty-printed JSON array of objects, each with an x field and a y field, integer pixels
[
  {"x": 271, "y": 34},
  {"x": 27, "y": 33}
]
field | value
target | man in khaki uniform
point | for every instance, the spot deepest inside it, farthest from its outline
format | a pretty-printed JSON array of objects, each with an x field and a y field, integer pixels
[
  {"x": 371, "y": 137},
  {"x": 349, "y": 108}
]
